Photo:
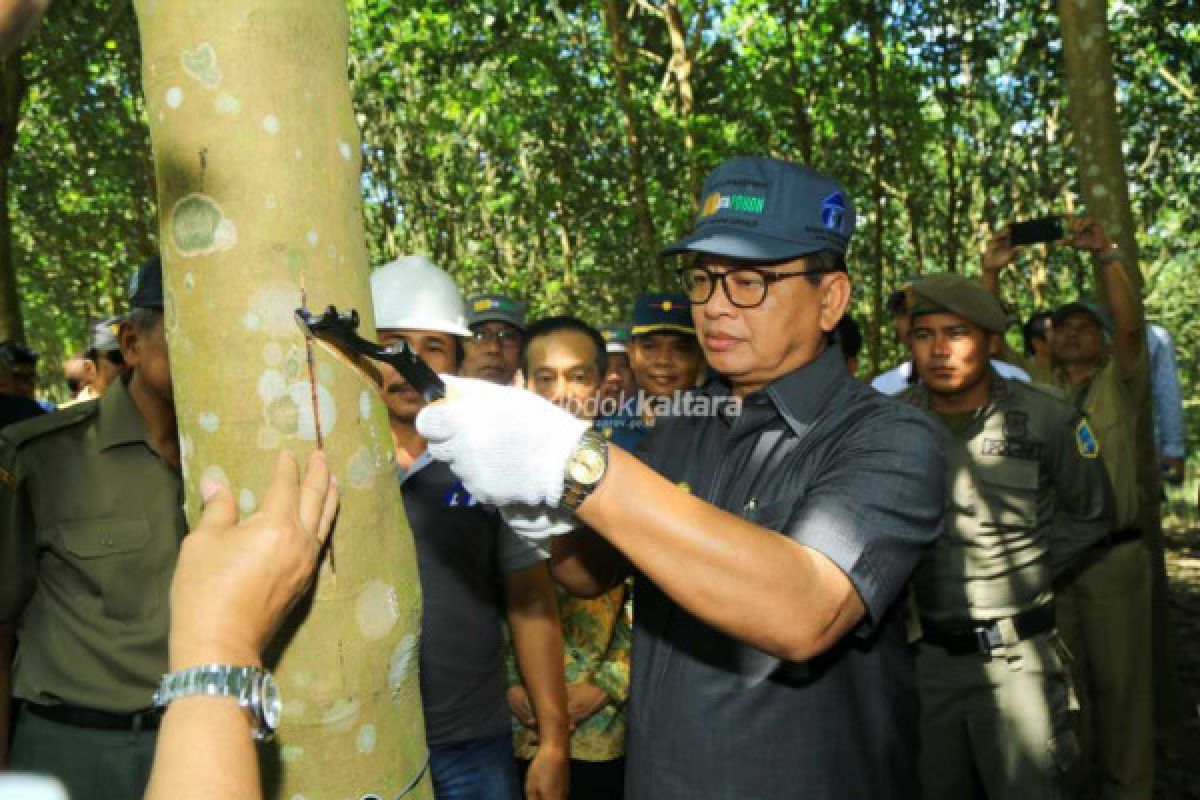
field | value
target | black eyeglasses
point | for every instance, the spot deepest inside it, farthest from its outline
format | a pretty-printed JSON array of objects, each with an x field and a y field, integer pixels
[
  {"x": 504, "y": 337},
  {"x": 746, "y": 287}
]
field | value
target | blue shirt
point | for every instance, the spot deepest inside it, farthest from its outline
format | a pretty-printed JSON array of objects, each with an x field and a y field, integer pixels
[{"x": 1169, "y": 433}]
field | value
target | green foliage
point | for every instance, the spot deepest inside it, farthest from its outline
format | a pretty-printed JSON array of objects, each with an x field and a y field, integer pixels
[{"x": 494, "y": 138}]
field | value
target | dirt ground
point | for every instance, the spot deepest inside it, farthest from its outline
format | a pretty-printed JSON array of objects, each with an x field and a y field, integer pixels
[{"x": 1179, "y": 754}]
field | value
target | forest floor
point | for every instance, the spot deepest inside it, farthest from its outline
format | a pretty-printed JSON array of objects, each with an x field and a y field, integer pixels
[{"x": 1179, "y": 754}]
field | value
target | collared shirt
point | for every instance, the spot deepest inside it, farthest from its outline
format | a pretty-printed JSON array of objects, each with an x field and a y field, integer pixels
[
  {"x": 1026, "y": 495},
  {"x": 90, "y": 528},
  {"x": 464, "y": 550},
  {"x": 896, "y": 380},
  {"x": 830, "y": 463},
  {"x": 1169, "y": 431}
]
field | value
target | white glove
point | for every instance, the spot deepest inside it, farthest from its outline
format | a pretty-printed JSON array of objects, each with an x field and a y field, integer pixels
[
  {"x": 506, "y": 445},
  {"x": 538, "y": 522}
]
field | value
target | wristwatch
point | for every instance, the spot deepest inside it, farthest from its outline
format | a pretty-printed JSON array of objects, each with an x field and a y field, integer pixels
[
  {"x": 253, "y": 687},
  {"x": 585, "y": 469}
]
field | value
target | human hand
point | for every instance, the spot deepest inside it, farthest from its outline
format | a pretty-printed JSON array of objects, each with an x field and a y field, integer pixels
[
  {"x": 506, "y": 445},
  {"x": 1000, "y": 252},
  {"x": 521, "y": 707},
  {"x": 584, "y": 700},
  {"x": 549, "y": 775},
  {"x": 235, "y": 581},
  {"x": 1085, "y": 233}
]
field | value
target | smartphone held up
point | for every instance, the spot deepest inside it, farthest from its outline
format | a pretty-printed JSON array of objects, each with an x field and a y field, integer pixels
[{"x": 1036, "y": 231}]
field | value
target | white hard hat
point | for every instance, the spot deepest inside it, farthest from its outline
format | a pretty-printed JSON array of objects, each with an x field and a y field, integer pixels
[{"x": 414, "y": 294}]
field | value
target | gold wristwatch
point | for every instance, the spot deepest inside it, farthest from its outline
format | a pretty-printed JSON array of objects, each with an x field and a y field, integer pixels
[{"x": 585, "y": 469}]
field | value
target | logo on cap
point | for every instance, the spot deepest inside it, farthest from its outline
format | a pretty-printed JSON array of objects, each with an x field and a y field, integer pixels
[
  {"x": 483, "y": 304},
  {"x": 833, "y": 209},
  {"x": 743, "y": 203}
]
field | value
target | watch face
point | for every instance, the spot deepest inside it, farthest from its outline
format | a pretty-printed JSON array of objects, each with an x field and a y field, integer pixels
[
  {"x": 272, "y": 703},
  {"x": 588, "y": 466}
]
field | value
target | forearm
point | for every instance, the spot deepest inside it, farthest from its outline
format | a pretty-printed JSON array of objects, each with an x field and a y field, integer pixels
[
  {"x": 585, "y": 564},
  {"x": 537, "y": 642},
  {"x": 1124, "y": 303},
  {"x": 197, "y": 735},
  {"x": 751, "y": 583}
]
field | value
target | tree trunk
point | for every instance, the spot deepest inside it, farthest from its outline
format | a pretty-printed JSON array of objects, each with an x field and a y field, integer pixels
[
  {"x": 878, "y": 197},
  {"x": 647, "y": 239},
  {"x": 1087, "y": 58},
  {"x": 681, "y": 66},
  {"x": 12, "y": 94},
  {"x": 799, "y": 94},
  {"x": 1092, "y": 110},
  {"x": 257, "y": 162}
]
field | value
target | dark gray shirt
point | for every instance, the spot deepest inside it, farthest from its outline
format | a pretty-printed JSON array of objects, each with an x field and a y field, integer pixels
[
  {"x": 463, "y": 551},
  {"x": 832, "y": 464}
]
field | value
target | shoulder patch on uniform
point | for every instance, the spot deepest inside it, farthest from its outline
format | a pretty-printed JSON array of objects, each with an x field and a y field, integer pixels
[
  {"x": 1085, "y": 440},
  {"x": 29, "y": 429},
  {"x": 7, "y": 478}
]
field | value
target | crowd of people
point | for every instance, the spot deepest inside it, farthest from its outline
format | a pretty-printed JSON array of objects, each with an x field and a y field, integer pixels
[{"x": 683, "y": 555}]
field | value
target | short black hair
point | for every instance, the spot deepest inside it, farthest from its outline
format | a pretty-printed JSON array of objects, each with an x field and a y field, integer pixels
[
  {"x": 849, "y": 336},
  {"x": 1035, "y": 328},
  {"x": 564, "y": 322}
]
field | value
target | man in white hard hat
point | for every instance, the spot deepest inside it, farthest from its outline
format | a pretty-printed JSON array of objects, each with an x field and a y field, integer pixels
[{"x": 472, "y": 568}]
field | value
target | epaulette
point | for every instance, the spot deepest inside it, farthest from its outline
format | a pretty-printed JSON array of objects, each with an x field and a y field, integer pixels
[
  {"x": 1040, "y": 388},
  {"x": 27, "y": 430}
]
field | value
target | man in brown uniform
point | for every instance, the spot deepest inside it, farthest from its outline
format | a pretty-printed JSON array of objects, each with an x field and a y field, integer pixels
[
  {"x": 1027, "y": 496},
  {"x": 1104, "y": 605},
  {"x": 90, "y": 526}
]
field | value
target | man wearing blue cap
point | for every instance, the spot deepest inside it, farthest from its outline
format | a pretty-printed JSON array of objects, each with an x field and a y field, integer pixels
[
  {"x": 664, "y": 353},
  {"x": 770, "y": 534},
  {"x": 91, "y": 520}
]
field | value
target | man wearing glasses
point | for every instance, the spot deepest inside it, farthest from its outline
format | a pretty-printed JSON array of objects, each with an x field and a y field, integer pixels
[
  {"x": 497, "y": 325},
  {"x": 770, "y": 542}
]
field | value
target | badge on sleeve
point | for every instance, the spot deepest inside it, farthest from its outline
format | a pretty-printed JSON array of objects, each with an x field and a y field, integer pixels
[
  {"x": 7, "y": 478},
  {"x": 1085, "y": 440}
]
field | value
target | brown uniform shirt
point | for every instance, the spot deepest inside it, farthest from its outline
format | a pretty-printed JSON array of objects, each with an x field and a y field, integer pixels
[{"x": 91, "y": 521}]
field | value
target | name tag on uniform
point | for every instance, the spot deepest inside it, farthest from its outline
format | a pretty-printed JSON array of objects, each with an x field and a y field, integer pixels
[{"x": 1009, "y": 448}]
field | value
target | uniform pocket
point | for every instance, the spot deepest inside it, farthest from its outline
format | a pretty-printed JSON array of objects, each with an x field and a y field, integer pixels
[
  {"x": 105, "y": 553},
  {"x": 1009, "y": 491}
]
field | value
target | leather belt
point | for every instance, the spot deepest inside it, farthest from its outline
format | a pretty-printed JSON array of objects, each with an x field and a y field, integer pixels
[
  {"x": 1119, "y": 537},
  {"x": 960, "y": 638},
  {"x": 146, "y": 720}
]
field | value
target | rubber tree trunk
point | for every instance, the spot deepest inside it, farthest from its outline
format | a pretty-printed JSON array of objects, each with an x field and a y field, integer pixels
[
  {"x": 12, "y": 95},
  {"x": 257, "y": 159},
  {"x": 1093, "y": 112}
]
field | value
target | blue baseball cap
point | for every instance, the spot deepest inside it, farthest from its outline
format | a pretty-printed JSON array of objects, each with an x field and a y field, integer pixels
[
  {"x": 765, "y": 209},
  {"x": 657, "y": 312},
  {"x": 146, "y": 291}
]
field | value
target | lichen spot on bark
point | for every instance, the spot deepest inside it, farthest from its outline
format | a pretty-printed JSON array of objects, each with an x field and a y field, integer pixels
[
  {"x": 201, "y": 64},
  {"x": 342, "y": 715},
  {"x": 377, "y": 609},
  {"x": 198, "y": 226},
  {"x": 174, "y": 97}
]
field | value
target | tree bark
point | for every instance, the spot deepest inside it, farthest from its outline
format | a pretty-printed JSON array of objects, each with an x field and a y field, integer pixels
[
  {"x": 257, "y": 160},
  {"x": 12, "y": 94},
  {"x": 647, "y": 239},
  {"x": 1092, "y": 107},
  {"x": 878, "y": 196},
  {"x": 681, "y": 67}
]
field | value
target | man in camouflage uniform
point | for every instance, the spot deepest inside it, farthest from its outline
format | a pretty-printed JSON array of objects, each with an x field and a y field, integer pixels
[{"x": 1027, "y": 496}]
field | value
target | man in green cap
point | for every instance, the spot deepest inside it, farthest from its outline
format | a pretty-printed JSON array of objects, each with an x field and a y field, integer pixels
[
  {"x": 497, "y": 325},
  {"x": 1027, "y": 496},
  {"x": 91, "y": 522},
  {"x": 1105, "y": 604}
]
